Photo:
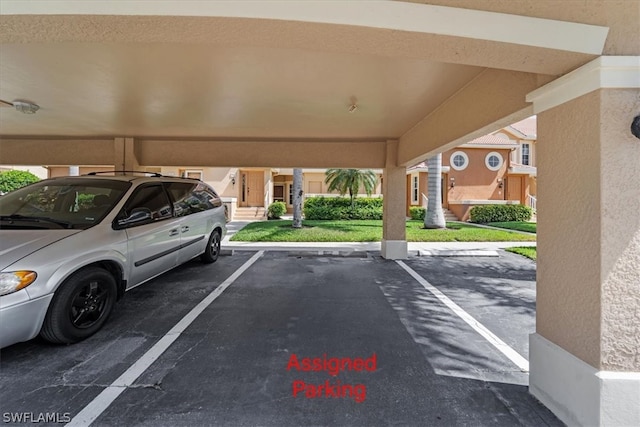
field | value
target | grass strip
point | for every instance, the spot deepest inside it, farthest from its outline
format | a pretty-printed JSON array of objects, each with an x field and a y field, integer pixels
[
  {"x": 529, "y": 227},
  {"x": 368, "y": 231},
  {"x": 526, "y": 251}
]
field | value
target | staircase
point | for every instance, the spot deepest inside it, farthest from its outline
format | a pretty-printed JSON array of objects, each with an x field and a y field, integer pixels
[
  {"x": 449, "y": 216},
  {"x": 250, "y": 214}
]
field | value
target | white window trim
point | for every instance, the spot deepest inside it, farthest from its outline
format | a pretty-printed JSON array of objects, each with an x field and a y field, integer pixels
[
  {"x": 488, "y": 156},
  {"x": 192, "y": 171},
  {"x": 522, "y": 153},
  {"x": 415, "y": 183},
  {"x": 466, "y": 160}
]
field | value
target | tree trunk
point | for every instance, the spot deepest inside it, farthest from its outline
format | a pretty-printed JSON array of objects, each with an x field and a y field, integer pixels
[
  {"x": 297, "y": 198},
  {"x": 434, "y": 217}
]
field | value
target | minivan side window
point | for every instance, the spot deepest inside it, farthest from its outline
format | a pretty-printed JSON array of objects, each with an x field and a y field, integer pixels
[
  {"x": 180, "y": 195},
  {"x": 152, "y": 197},
  {"x": 189, "y": 198},
  {"x": 207, "y": 196}
]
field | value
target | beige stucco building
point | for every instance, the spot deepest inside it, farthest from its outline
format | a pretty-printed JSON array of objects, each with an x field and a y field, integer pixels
[{"x": 382, "y": 85}]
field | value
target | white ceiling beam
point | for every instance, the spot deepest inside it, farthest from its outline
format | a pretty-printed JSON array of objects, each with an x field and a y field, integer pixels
[{"x": 392, "y": 15}]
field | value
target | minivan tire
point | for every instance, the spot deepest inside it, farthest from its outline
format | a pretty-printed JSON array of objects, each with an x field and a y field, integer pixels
[
  {"x": 212, "y": 251},
  {"x": 80, "y": 306}
]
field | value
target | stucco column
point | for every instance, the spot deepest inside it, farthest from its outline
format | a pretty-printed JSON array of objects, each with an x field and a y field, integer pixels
[
  {"x": 394, "y": 187},
  {"x": 126, "y": 155},
  {"x": 585, "y": 354}
]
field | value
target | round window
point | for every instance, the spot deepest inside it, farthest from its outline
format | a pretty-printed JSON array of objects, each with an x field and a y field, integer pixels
[
  {"x": 459, "y": 160},
  {"x": 493, "y": 161}
]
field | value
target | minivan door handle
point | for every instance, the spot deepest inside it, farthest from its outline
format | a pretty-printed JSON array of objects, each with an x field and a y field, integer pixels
[
  {"x": 185, "y": 228},
  {"x": 174, "y": 232}
]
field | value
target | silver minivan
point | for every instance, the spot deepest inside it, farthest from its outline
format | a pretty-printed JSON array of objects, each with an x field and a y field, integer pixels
[{"x": 71, "y": 246}]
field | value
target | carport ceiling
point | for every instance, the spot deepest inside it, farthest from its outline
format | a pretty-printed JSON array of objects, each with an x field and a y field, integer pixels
[
  {"x": 268, "y": 70},
  {"x": 200, "y": 90}
]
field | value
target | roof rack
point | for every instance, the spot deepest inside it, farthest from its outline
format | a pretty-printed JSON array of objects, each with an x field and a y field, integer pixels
[{"x": 153, "y": 174}]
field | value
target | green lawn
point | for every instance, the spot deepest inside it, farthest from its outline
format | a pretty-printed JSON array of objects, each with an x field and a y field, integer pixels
[
  {"x": 368, "y": 231},
  {"x": 529, "y": 227},
  {"x": 529, "y": 251}
]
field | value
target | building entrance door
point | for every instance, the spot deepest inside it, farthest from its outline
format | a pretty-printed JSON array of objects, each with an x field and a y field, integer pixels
[
  {"x": 514, "y": 188},
  {"x": 252, "y": 189}
]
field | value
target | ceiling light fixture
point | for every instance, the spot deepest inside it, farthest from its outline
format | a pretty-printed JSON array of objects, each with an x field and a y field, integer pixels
[{"x": 25, "y": 107}]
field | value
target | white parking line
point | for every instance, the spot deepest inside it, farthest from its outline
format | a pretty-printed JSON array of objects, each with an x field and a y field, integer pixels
[
  {"x": 513, "y": 355},
  {"x": 102, "y": 401}
]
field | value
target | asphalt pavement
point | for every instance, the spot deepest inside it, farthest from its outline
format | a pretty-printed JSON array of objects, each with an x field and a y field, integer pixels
[{"x": 290, "y": 337}]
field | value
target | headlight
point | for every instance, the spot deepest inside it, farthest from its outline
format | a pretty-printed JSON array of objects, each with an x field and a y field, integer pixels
[{"x": 13, "y": 281}]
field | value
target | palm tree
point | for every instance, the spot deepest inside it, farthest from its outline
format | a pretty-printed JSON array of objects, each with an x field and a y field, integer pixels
[
  {"x": 434, "y": 217},
  {"x": 297, "y": 198},
  {"x": 350, "y": 181}
]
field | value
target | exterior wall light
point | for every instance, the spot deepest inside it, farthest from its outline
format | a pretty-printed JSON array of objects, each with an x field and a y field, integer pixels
[
  {"x": 500, "y": 183},
  {"x": 635, "y": 126},
  {"x": 25, "y": 107},
  {"x": 232, "y": 176},
  {"x": 453, "y": 182}
]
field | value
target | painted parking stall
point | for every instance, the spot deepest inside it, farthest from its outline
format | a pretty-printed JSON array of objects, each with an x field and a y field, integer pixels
[
  {"x": 98, "y": 405},
  {"x": 42, "y": 379},
  {"x": 295, "y": 339},
  {"x": 499, "y": 293}
]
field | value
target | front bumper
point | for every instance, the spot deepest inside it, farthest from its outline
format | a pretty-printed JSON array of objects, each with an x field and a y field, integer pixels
[{"x": 20, "y": 317}]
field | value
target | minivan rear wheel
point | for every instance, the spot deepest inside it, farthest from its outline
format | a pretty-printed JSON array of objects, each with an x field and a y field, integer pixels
[
  {"x": 212, "y": 251},
  {"x": 80, "y": 306}
]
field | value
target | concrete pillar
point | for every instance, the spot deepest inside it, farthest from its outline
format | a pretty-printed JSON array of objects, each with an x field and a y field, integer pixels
[
  {"x": 126, "y": 155},
  {"x": 394, "y": 187},
  {"x": 585, "y": 354}
]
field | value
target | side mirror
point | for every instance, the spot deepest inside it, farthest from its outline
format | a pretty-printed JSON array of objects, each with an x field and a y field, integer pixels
[{"x": 138, "y": 216}]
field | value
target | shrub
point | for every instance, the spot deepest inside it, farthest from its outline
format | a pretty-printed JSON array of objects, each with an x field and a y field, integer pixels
[
  {"x": 339, "y": 208},
  {"x": 416, "y": 212},
  {"x": 14, "y": 179},
  {"x": 276, "y": 210},
  {"x": 499, "y": 213}
]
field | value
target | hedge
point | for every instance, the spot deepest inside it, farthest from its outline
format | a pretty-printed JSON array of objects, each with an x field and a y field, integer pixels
[
  {"x": 416, "y": 212},
  {"x": 338, "y": 208},
  {"x": 499, "y": 213},
  {"x": 276, "y": 210},
  {"x": 14, "y": 179}
]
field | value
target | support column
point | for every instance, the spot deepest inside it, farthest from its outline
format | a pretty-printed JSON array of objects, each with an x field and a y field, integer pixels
[
  {"x": 585, "y": 354},
  {"x": 126, "y": 155},
  {"x": 394, "y": 187}
]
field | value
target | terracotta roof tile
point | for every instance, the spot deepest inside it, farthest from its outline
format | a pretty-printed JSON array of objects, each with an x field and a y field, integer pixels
[
  {"x": 492, "y": 140},
  {"x": 527, "y": 126}
]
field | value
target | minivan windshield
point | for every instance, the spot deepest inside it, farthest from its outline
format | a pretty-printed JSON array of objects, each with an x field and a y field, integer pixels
[{"x": 61, "y": 203}]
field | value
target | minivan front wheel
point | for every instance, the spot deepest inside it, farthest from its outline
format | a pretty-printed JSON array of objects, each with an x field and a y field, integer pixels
[
  {"x": 212, "y": 251},
  {"x": 80, "y": 306}
]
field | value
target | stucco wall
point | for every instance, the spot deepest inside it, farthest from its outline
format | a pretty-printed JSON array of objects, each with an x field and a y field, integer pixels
[
  {"x": 476, "y": 182},
  {"x": 620, "y": 213},
  {"x": 589, "y": 229},
  {"x": 55, "y": 171},
  {"x": 568, "y": 292}
]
